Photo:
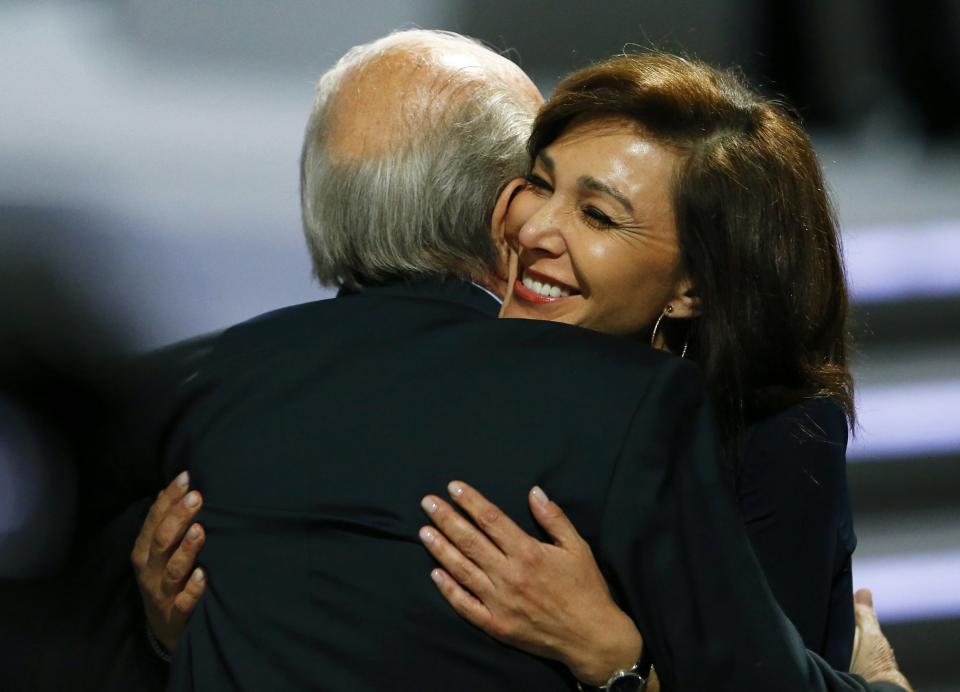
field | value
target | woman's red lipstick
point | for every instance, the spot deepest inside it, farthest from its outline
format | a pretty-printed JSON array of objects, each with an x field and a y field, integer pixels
[{"x": 531, "y": 296}]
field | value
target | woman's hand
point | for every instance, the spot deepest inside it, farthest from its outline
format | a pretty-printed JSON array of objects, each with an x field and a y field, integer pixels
[
  {"x": 163, "y": 558},
  {"x": 547, "y": 599}
]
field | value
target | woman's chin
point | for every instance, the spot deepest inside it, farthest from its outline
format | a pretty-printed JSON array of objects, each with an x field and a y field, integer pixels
[
  {"x": 565, "y": 311},
  {"x": 558, "y": 311}
]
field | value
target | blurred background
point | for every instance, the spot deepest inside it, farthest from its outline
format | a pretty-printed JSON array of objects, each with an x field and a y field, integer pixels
[{"x": 148, "y": 193}]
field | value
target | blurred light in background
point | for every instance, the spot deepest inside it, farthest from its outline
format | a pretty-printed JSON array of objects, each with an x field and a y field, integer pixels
[
  {"x": 923, "y": 586},
  {"x": 894, "y": 262},
  {"x": 913, "y": 418}
]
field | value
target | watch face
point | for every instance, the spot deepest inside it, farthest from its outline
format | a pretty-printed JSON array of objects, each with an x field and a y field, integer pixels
[{"x": 628, "y": 682}]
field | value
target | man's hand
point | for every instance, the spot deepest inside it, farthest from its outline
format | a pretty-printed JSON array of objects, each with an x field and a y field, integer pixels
[
  {"x": 163, "y": 557},
  {"x": 873, "y": 657}
]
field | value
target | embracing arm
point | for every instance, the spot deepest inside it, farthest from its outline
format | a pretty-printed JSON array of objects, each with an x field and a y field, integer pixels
[
  {"x": 548, "y": 599},
  {"x": 681, "y": 563}
]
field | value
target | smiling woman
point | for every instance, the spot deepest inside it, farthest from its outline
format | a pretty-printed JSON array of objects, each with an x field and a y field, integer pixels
[{"x": 668, "y": 203}]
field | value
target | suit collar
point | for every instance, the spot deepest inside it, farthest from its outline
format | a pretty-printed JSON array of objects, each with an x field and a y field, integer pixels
[{"x": 449, "y": 290}]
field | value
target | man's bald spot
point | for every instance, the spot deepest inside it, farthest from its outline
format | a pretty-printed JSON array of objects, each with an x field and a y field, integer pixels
[{"x": 400, "y": 94}]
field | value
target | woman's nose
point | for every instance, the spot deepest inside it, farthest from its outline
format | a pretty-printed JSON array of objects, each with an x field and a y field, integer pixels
[{"x": 543, "y": 232}]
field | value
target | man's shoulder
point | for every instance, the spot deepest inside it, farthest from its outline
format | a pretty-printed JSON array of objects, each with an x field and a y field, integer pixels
[
  {"x": 575, "y": 345},
  {"x": 373, "y": 323},
  {"x": 380, "y": 306},
  {"x": 276, "y": 326}
]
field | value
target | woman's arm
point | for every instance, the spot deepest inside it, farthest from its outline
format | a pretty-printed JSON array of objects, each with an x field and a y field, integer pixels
[{"x": 529, "y": 594}]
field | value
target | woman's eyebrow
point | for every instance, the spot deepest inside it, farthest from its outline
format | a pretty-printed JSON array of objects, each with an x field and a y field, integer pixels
[
  {"x": 588, "y": 182},
  {"x": 546, "y": 162}
]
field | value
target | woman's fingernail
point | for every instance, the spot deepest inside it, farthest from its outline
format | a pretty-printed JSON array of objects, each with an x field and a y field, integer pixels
[
  {"x": 183, "y": 480},
  {"x": 429, "y": 506},
  {"x": 194, "y": 533},
  {"x": 455, "y": 489},
  {"x": 540, "y": 496},
  {"x": 192, "y": 500},
  {"x": 436, "y": 575},
  {"x": 198, "y": 575},
  {"x": 426, "y": 535}
]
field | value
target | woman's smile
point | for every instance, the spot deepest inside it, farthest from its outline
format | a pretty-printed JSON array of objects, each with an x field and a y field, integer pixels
[{"x": 534, "y": 287}]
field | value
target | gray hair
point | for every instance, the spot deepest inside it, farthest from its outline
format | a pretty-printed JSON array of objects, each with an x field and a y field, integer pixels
[{"x": 423, "y": 208}]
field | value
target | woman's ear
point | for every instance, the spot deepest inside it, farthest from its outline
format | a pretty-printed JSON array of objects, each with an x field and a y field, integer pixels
[
  {"x": 686, "y": 303},
  {"x": 498, "y": 225}
]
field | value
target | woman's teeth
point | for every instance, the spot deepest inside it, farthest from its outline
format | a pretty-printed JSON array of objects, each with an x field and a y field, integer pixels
[{"x": 545, "y": 289}]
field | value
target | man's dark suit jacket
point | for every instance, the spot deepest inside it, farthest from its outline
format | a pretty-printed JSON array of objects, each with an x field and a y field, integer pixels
[{"x": 314, "y": 431}]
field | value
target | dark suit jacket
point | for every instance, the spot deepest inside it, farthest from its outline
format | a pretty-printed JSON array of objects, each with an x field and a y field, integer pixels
[{"x": 314, "y": 431}]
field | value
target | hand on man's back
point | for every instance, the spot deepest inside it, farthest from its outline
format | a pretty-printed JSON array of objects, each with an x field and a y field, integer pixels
[{"x": 163, "y": 558}]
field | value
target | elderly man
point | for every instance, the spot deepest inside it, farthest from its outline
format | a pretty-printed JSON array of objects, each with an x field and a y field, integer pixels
[{"x": 314, "y": 431}]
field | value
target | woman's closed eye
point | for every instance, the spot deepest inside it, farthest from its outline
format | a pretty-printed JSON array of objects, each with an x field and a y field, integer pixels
[
  {"x": 596, "y": 218},
  {"x": 538, "y": 184}
]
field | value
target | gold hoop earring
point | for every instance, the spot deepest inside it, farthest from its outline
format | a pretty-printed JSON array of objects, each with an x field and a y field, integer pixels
[{"x": 656, "y": 325}]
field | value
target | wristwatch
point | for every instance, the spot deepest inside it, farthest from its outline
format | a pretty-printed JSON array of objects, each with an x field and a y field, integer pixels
[{"x": 632, "y": 680}]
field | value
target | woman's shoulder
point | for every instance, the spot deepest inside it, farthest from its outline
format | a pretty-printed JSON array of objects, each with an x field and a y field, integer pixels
[
  {"x": 811, "y": 422},
  {"x": 805, "y": 442}
]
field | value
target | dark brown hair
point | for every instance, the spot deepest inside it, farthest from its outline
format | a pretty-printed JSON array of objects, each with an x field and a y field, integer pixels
[{"x": 757, "y": 233}]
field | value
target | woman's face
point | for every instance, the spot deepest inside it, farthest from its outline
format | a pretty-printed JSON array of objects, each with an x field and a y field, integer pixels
[{"x": 595, "y": 233}]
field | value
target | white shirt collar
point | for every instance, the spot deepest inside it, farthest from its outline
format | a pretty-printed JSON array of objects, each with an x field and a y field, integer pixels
[{"x": 488, "y": 292}]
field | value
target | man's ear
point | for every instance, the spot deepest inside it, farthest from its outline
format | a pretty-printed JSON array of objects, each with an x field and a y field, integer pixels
[
  {"x": 499, "y": 218},
  {"x": 686, "y": 303}
]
